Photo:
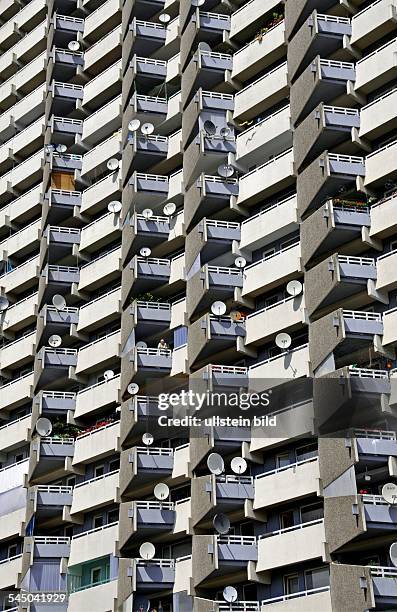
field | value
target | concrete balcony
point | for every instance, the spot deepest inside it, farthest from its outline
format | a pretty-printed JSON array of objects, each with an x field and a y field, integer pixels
[
  {"x": 342, "y": 333},
  {"x": 93, "y": 544},
  {"x": 145, "y": 274},
  {"x": 49, "y": 499},
  {"x": 378, "y": 513},
  {"x": 154, "y": 575},
  {"x": 22, "y": 19},
  {"x": 95, "y": 160},
  {"x": 101, "y": 596},
  {"x": 18, "y": 352},
  {"x": 104, "y": 86},
  {"x": 272, "y": 223},
  {"x": 95, "y": 493},
  {"x": 267, "y": 179},
  {"x": 211, "y": 239},
  {"x": 372, "y": 23},
  {"x": 15, "y": 433},
  {"x": 20, "y": 314},
  {"x": 65, "y": 23},
  {"x": 102, "y": 191},
  {"x": 49, "y": 456},
  {"x": 207, "y": 70},
  {"x": 262, "y": 325},
  {"x": 378, "y": 118},
  {"x": 389, "y": 326},
  {"x": 340, "y": 277},
  {"x": 10, "y": 571},
  {"x": 100, "y": 271},
  {"x": 288, "y": 365},
  {"x": 101, "y": 352},
  {"x": 296, "y": 14},
  {"x": 66, "y": 126},
  {"x": 387, "y": 277},
  {"x": 225, "y": 493},
  {"x": 135, "y": 414},
  {"x": 211, "y": 335},
  {"x": 260, "y": 53},
  {"x": 143, "y": 466},
  {"x": 208, "y": 195},
  {"x": 302, "y": 601},
  {"x": 67, "y": 92},
  {"x": 149, "y": 363},
  {"x": 265, "y": 139},
  {"x": 319, "y": 34},
  {"x": 106, "y": 119},
  {"x": 100, "y": 232},
  {"x": 99, "y": 311},
  {"x": 222, "y": 556},
  {"x": 21, "y": 209},
  {"x": 54, "y": 364},
  {"x": 59, "y": 277},
  {"x": 377, "y": 69},
  {"x": 147, "y": 37},
  {"x": 144, "y": 152},
  {"x": 25, "y": 111},
  {"x": 384, "y": 217},
  {"x": 141, "y": 107},
  {"x": 291, "y": 545},
  {"x": 289, "y": 482},
  {"x": 23, "y": 82},
  {"x": 22, "y": 277},
  {"x": 97, "y": 443},
  {"x": 22, "y": 144},
  {"x": 211, "y": 282},
  {"x": 56, "y": 402},
  {"x": 148, "y": 189},
  {"x": 102, "y": 394},
  {"x": 262, "y": 94},
  {"x": 322, "y": 81},
  {"x": 101, "y": 20},
  {"x": 383, "y": 584},
  {"x": 248, "y": 14},
  {"x": 51, "y": 547},
  {"x": 28, "y": 173},
  {"x": 381, "y": 165},
  {"x": 333, "y": 225},
  {"x": 103, "y": 52},
  {"x": 273, "y": 270},
  {"x": 324, "y": 177},
  {"x": 17, "y": 392},
  {"x": 140, "y": 519}
]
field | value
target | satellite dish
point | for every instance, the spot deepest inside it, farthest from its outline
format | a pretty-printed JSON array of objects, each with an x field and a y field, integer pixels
[
  {"x": 240, "y": 262},
  {"x": 145, "y": 252},
  {"x": 115, "y": 206},
  {"x": 147, "y": 439},
  {"x": 225, "y": 170},
  {"x": 238, "y": 465},
  {"x": 74, "y": 45},
  {"x": 294, "y": 287},
  {"x": 43, "y": 427},
  {"x": 218, "y": 308},
  {"x": 147, "y": 551},
  {"x": 4, "y": 303},
  {"x": 49, "y": 148},
  {"x": 215, "y": 464},
  {"x": 225, "y": 132},
  {"x": 230, "y": 594},
  {"x": 108, "y": 374},
  {"x": 55, "y": 341},
  {"x": 169, "y": 209},
  {"x": 133, "y": 388},
  {"x": 393, "y": 553},
  {"x": 283, "y": 340},
  {"x": 61, "y": 148},
  {"x": 134, "y": 125},
  {"x": 203, "y": 46},
  {"x": 147, "y": 213},
  {"x": 164, "y": 18},
  {"x": 147, "y": 129},
  {"x": 236, "y": 315},
  {"x": 58, "y": 301},
  {"x": 112, "y": 164},
  {"x": 221, "y": 523},
  {"x": 389, "y": 493},
  {"x": 161, "y": 491},
  {"x": 209, "y": 128},
  {"x": 141, "y": 344}
]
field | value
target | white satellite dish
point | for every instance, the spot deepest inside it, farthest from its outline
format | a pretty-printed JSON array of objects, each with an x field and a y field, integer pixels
[
  {"x": 108, "y": 374},
  {"x": 164, "y": 18},
  {"x": 115, "y": 206},
  {"x": 133, "y": 388},
  {"x": 147, "y": 551},
  {"x": 112, "y": 164},
  {"x": 147, "y": 439},
  {"x": 49, "y": 148},
  {"x": 294, "y": 287},
  {"x": 161, "y": 491},
  {"x": 4, "y": 303},
  {"x": 230, "y": 594},
  {"x": 215, "y": 464},
  {"x": 218, "y": 308},
  {"x": 147, "y": 213},
  {"x": 61, "y": 148},
  {"x": 393, "y": 553},
  {"x": 283, "y": 341},
  {"x": 238, "y": 465},
  {"x": 197, "y": 2},
  {"x": 225, "y": 132},
  {"x": 55, "y": 341},
  {"x": 74, "y": 45},
  {"x": 225, "y": 170},
  {"x": 389, "y": 493},
  {"x": 203, "y": 46},
  {"x": 145, "y": 252},
  {"x": 147, "y": 129},
  {"x": 209, "y": 128},
  {"x": 43, "y": 427},
  {"x": 221, "y": 523},
  {"x": 141, "y": 344},
  {"x": 169, "y": 209},
  {"x": 134, "y": 125},
  {"x": 240, "y": 262},
  {"x": 58, "y": 301}
]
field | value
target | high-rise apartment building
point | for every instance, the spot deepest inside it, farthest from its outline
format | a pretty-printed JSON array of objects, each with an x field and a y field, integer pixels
[{"x": 198, "y": 195}]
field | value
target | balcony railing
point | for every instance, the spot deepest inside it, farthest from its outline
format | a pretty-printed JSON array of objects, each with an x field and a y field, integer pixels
[
  {"x": 362, "y": 316},
  {"x": 353, "y": 260},
  {"x": 96, "y": 530},
  {"x": 236, "y": 540},
  {"x": 375, "y": 500},
  {"x": 270, "y": 359},
  {"x": 284, "y": 301},
  {"x": 383, "y": 572},
  {"x": 376, "y": 434},
  {"x": 286, "y": 467},
  {"x": 157, "y": 450},
  {"x": 58, "y": 441},
  {"x": 27, "y": 416},
  {"x": 391, "y": 42},
  {"x": 54, "y": 489},
  {"x": 94, "y": 431},
  {"x": 220, "y": 369},
  {"x": 368, "y": 373},
  {"x": 51, "y": 540},
  {"x": 96, "y": 479},
  {"x": 294, "y": 528},
  {"x": 244, "y": 91},
  {"x": 290, "y": 596},
  {"x": 10, "y": 559}
]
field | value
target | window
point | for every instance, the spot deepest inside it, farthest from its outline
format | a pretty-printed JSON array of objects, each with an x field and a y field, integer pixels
[
  {"x": 12, "y": 550},
  {"x": 249, "y": 592},
  {"x": 113, "y": 516},
  {"x": 71, "y": 481},
  {"x": 114, "y": 465},
  {"x": 312, "y": 512},
  {"x": 247, "y": 529},
  {"x": 316, "y": 578},
  {"x": 306, "y": 452},
  {"x": 291, "y": 584},
  {"x": 282, "y": 460},
  {"x": 99, "y": 471},
  {"x": 96, "y": 574},
  {"x": 287, "y": 519},
  {"x": 289, "y": 242},
  {"x": 97, "y": 521},
  {"x": 19, "y": 457},
  {"x": 268, "y": 253},
  {"x": 68, "y": 531}
]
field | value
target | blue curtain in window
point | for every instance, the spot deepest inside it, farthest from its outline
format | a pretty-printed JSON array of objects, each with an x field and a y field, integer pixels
[{"x": 180, "y": 336}]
